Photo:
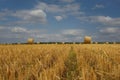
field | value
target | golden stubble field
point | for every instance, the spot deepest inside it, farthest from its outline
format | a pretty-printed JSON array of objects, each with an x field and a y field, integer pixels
[{"x": 60, "y": 62}]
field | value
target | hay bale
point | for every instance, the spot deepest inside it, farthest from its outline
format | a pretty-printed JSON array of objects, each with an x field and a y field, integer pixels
[
  {"x": 114, "y": 42},
  {"x": 30, "y": 41},
  {"x": 74, "y": 42},
  {"x": 56, "y": 43},
  {"x": 106, "y": 42},
  {"x": 87, "y": 40},
  {"x": 38, "y": 42}
]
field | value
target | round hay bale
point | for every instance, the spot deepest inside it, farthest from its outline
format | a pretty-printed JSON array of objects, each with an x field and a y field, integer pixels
[
  {"x": 106, "y": 42},
  {"x": 30, "y": 41},
  {"x": 87, "y": 40}
]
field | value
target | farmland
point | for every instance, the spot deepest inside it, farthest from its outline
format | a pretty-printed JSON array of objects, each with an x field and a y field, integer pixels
[{"x": 60, "y": 62}]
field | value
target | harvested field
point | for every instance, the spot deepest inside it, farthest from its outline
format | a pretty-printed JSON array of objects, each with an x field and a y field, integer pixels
[{"x": 60, "y": 62}]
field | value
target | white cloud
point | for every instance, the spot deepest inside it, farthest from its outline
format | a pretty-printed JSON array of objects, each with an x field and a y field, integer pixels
[
  {"x": 73, "y": 32},
  {"x": 31, "y": 16},
  {"x": 104, "y": 20},
  {"x": 68, "y": 1},
  {"x": 18, "y": 34},
  {"x": 1, "y": 27},
  {"x": 58, "y": 18},
  {"x": 98, "y": 6},
  {"x": 18, "y": 29},
  {"x": 104, "y": 34},
  {"x": 50, "y": 37},
  {"x": 101, "y": 19},
  {"x": 38, "y": 14},
  {"x": 21, "y": 34},
  {"x": 64, "y": 9},
  {"x": 107, "y": 34},
  {"x": 63, "y": 35},
  {"x": 110, "y": 30},
  {"x": 7, "y": 33}
]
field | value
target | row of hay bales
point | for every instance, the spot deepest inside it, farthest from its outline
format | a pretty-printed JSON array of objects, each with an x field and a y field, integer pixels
[{"x": 87, "y": 40}]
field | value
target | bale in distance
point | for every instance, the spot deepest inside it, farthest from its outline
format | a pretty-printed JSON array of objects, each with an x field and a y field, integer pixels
[
  {"x": 56, "y": 43},
  {"x": 106, "y": 42},
  {"x": 38, "y": 42},
  {"x": 87, "y": 40},
  {"x": 63, "y": 42},
  {"x": 96, "y": 42},
  {"x": 18, "y": 43},
  {"x": 114, "y": 42},
  {"x": 30, "y": 41},
  {"x": 74, "y": 42}
]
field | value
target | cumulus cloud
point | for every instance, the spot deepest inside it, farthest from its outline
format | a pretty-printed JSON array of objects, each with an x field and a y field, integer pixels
[
  {"x": 104, "y": 20},
  {"x": 64, "y": 35},
  {"x": 18, "y": 34},
  {"x": 21, "y": 34},
  {"x": 31, "y": 16},
  {"x": 50, "y": 37},
  {"x": 6, "y": 34},
  {"x": 61, "y": 9},
  {"x": 38, "y": 14},
  {"x": 14, "y": 30},
  {"x": 26, "y": 16},
  {"x": 73, "y": 34},
  {"x": 110, "y": 30},
  {"x": 18, "y": 29},
  {"x": 58, "y": 18},
  {"x": 107, "y": 34}
]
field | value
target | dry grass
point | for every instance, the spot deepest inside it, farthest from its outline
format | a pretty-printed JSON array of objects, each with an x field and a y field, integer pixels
[{"x": 56, "y": 62}]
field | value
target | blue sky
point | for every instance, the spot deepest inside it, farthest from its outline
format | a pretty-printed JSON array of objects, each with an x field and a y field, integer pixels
[{"x": 59, "y": 20}]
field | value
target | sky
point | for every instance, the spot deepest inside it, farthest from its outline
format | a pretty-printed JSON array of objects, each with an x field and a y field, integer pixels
[{"x": 59, "y": 20}]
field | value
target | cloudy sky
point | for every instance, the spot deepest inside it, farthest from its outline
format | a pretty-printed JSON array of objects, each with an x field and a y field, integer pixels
[{"x": 59, "y": 20}]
